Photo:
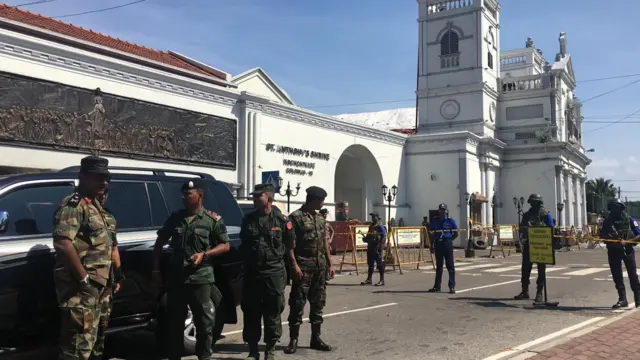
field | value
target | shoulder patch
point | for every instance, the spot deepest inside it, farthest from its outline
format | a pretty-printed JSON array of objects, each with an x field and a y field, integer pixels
[
  {"x": 74, "y": 200},
  {"x": 213, "y": 215},
  {"x": 289, "y": 225}
]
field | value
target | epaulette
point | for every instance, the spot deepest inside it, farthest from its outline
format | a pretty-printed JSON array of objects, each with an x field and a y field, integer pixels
[
  {"x": 283, "y": 217},
  {"x": 213, "y": 215},
  {"x": 74, "y": 200}
]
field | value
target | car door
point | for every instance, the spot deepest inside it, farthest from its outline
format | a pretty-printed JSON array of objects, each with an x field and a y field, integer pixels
[{"x": 28, "y": 305}]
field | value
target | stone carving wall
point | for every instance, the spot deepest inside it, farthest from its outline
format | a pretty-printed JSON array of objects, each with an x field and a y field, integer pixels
[{"x": 45, "y": 114}]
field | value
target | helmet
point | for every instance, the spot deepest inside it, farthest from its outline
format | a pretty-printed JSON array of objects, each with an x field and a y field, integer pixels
[
  {"x": 535, "y": 198},
  {"x": 615, "y": 203}
]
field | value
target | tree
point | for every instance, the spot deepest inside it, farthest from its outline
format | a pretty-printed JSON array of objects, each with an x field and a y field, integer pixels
[{"x": 598, "y": 192}]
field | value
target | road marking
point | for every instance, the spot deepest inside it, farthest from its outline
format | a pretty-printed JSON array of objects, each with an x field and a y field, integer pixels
[
  {"x": 504, "y": 269},
  {"x": 326, "y": 315},
  {"x": 479, "y": 266},
  {"x": 548, "y": 277},
  {"x": 487, "y": 286},
  {"x": 586, "y": 271},
  {"x": 543, "y": 339}
]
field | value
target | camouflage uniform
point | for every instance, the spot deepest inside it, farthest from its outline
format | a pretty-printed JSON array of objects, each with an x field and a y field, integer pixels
[
  {"x": 264, "y": 240},
  {"x": 107, "y": 296},
  {"x": 188, "y": 284},
  {"x": 82, "y": 221}
]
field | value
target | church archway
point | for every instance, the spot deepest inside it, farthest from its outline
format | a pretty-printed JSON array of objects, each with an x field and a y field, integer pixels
[{"x": 358, "y": 180}]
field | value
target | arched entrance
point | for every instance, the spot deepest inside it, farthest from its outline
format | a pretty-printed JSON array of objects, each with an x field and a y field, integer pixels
[{"x": 358, "y": 180}]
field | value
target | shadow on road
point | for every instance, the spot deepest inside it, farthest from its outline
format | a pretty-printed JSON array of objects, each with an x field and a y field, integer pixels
[{"x": 487, "y": 302}]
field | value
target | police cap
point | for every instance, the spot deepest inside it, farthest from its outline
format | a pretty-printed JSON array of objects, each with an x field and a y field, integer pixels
[
  {"x": 443, "y": 206},
  {"x": 535, "y": 198},
  {"x": 615, "y": 203},
  {"x": 196, "y": 183},
  {"x": 94, "y": 165},
  {"x": 316, "y": 192},
  {"x": 375, "y": 213},
  {"x": 262, "y": 188}
]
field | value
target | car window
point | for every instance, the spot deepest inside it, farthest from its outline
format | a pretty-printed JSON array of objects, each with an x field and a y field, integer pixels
[
  {"x": 31, "y": 209},
  {"x": 159, "y": 212},
  {"x": 129, "y": 204},
  {"x": 217, "y": 198}
]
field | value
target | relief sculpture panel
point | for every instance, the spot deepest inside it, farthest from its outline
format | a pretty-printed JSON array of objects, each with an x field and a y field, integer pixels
[{"x": 46, "y": 114}]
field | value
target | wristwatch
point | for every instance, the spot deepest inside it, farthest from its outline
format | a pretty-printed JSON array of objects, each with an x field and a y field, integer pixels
[
  {"x": 205, "y": 257},
  {"x": 85, "y": 281}
]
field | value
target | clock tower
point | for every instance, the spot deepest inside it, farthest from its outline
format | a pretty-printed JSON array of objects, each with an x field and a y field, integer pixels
[{"x": 458, "y": 66}]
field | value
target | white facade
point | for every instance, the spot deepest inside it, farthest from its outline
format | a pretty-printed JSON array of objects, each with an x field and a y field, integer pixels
[
  {"x": 351, "y": 162},
  {"x": 489, "y": 123}
]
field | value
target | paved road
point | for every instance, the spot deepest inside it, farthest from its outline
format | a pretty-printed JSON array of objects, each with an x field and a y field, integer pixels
[{"x": 402, "y": 320}]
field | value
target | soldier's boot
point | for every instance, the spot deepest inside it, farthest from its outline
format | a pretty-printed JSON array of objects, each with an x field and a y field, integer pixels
[
  {"x": 367, "y": 282},
  {"x": 524, "y": 294},
  {"x": 539, "y": 295},
  {"x": 254, "y": 353},
  {"x": 380, "y": 283},
  {"x": 636, "y": 297},
  {"x": 270, "y": 351},
  {"x": 622, "y": 299},
  {"x": 316, "y": 342},
  {"x": 293, "y": 341}
]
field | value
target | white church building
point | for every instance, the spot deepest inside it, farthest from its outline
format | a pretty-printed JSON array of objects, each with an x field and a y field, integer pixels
[{"x": 494, "y": 125}]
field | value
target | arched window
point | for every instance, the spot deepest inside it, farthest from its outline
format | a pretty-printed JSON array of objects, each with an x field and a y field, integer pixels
[{"x": 449, "y": 43}]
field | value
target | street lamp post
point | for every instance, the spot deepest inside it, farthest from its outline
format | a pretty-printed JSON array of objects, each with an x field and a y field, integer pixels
[
  {"x": 560, "y": 207},
  {"x": 519, "y": 204},
  {"x": 288, "y": 192},
  {"x": 494, "y": 203},
  {"x": 389, "y": 195},
  {"x": 469, "y": 252}
]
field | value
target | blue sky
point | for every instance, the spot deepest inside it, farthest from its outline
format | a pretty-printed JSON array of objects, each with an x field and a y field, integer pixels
[{"x": 340, "y": 52}]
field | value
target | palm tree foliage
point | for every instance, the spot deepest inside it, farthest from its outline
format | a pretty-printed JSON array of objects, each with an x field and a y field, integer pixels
[{"x": 598, "y": 192}]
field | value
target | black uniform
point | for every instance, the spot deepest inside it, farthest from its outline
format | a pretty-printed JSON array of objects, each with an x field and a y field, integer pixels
[{"x": 620, "y": 226}]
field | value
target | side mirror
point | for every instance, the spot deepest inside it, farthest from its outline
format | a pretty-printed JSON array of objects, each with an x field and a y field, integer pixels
[{"x": 4, "y": 221}]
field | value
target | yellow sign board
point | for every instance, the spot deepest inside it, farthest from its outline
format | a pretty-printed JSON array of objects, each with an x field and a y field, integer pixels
[
  {"x": 359, "y": 233},
  {"x": 541, "y": 245}
]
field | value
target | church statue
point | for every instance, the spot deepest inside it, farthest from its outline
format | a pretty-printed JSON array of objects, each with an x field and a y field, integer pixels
[
  {"x": 563, "y": 43},
  {"x": 529, "y": 42}
]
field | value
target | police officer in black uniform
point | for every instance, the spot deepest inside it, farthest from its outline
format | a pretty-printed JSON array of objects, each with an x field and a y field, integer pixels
[{"x": 620, "y": 226}]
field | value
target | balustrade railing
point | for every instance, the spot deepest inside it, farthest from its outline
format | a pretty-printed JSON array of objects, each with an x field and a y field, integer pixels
[
  {"x": 441, "y": 6},
  {"x": 525, "y": 83},
  {"x": 449, "y": 61},
  {"x": 513, "y": 60}
]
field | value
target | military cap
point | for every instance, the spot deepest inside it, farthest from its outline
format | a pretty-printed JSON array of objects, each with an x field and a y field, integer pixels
[
  {"x": 196, "y": 183},
  {"x": 316, "y": 192},
  {"x": 443, "y": 206},
  {"x": 262, "y": 188},
  {"x": 374, "y": 213},
  {"x": 94, "y": 165}
]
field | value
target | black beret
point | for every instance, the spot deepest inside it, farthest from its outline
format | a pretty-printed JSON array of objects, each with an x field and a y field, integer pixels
[
  {"x": 196, "y": 183},
  {"x": 94, "y": 165},
  {"x": 316, "y": 192},
  {"x": 262, "y": 188}
]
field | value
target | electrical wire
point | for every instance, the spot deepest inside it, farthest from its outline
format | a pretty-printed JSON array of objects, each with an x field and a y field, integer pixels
[
  {"x": 35, "y": 3},
  {"x": 612, "y": 123},
  {"x": 98, "y": 10}
]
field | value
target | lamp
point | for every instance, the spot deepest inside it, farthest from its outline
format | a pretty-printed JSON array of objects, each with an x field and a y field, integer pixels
[{"x": 288, "y": 192}]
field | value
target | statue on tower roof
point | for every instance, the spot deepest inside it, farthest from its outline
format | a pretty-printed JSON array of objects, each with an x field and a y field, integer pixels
[
  {"x": 529, "y": 42},
  {"x": 563, "y": 44}
]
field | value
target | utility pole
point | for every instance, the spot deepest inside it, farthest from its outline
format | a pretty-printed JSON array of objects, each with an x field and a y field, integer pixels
[{"x": 619, "y": 192}]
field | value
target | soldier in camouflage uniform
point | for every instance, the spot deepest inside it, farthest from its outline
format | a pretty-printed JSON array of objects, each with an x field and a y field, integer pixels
[
  {"x": 310, "y": 258},
  {"x": 537, "y": 215},
  {"x": 84, "y": 248},
  {"x": 328, "y": 231},
  {"x": 196, "y": 235},
  {"x": 115, "y": 279},
  {"x": 266, "y": 236}
]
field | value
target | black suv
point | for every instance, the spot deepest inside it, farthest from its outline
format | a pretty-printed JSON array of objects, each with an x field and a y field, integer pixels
[{"x": 141, "y": 200}]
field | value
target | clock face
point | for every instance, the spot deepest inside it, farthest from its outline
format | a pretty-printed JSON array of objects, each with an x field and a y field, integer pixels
[{"x": 492, "y": 112}]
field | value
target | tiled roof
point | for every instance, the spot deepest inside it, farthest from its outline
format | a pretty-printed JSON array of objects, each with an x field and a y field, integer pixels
[
  {"x": 405, "y": 131},
  {"x": 47, "y": 23}
]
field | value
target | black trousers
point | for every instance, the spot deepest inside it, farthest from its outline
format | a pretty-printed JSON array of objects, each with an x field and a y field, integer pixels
[
  {"x": 444, "y": 255},
  {"x": 374, "y": 256},
  {"x": 617, "y": 255},
  {"x": 527, "y": 266}
]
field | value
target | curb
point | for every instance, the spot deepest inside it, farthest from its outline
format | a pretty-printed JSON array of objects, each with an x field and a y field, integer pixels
[{"x": 534, "y": 350}]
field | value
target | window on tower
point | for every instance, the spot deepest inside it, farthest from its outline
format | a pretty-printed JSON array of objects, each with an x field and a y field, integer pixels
[
  {"x": 449, "y": 43},
  {"x": 490, "y": 59}
]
